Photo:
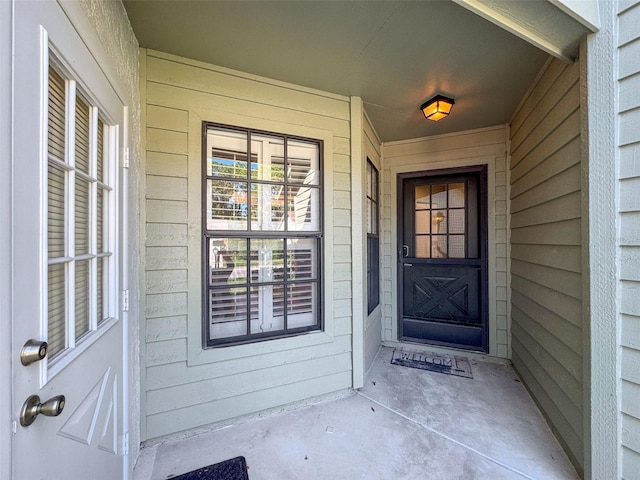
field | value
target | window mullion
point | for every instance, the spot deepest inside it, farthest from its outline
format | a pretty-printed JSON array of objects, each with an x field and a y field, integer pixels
[
  {"x": 285, "y": 179},
  {"x": 249, "y": 285},
  {"x": 70, "y": 217},
  {"x": 285, "y": 292}
]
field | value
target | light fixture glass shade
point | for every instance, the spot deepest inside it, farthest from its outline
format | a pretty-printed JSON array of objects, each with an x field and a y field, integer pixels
[{"x": 437, "y": 108}]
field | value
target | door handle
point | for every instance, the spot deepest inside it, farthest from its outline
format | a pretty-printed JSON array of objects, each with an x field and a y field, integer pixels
[
  {"x": 32, "y": 408},
  {"x": 33, "y": 351},
  {"x": 407, "y": 264}
]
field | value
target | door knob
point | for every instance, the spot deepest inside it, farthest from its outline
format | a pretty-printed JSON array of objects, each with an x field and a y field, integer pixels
[
  {"x": 32, "y": 408},
  {"x": 33, "y": 351}
]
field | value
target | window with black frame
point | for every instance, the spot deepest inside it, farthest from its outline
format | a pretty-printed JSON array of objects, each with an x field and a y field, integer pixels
[
  {"x": 373, "y": 239},
  {"x": 262, "y": 224}
]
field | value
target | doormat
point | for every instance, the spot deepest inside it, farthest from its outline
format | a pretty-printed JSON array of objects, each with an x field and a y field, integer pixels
[
  {"x": 233, "y": 469},
  {"x": 433, "y": 362}
]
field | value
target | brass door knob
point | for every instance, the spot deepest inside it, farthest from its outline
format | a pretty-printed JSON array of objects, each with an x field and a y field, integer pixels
[{"x": 32, "y": 408}]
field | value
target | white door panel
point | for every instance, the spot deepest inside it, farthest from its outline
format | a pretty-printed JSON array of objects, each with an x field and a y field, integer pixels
[{"x": 87, "y": 439}]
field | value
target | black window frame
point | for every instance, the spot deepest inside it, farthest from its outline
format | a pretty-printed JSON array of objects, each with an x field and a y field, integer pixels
[
  {"x": 316, "y": 236},
  {"x": 373, "y": 240}
]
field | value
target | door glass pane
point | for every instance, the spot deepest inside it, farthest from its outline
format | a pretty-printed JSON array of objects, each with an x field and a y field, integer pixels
[
  {"x": 439, "y": 213},
  {"x": 423, "y": 197},
  {"x": 423, "y": 222},
  {"x": 100, "y": 221},
  {"x": 456, "y": 246},
  {"x": 56, "y": 122},
  {"x": 101, "y": 281},
  {"x": 438, "y": 196},
  {"x": 99, "y": 174},
  {"x": 82, "y": 216},
  {"x": 55, "y": 211},
  {"x": 439, "y": 246},
  {"x": 82, "y": 135},
  {"x": 423, "y": 246},
  {"x": 456, "y": 221},
  {"x": 456, "y": 195},
  {"x": 82, "y": 297},
  {"x": 56, "y": 281},
  {"x": 439, "y": 221}
]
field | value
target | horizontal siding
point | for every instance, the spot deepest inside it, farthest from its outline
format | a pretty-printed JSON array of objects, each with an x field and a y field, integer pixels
[
  {"x": 373, "y": 324},
  {"x": 481, "y": 145},
  {"x": 179, "y": 395},
  {"x": 546, "y": 250},
  {"x": 629, "y": 221},
  {"x": 231, "y": 407}
]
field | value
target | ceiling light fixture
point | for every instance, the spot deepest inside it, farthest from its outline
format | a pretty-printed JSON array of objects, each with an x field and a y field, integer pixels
[{"x": 437, "y": 108}]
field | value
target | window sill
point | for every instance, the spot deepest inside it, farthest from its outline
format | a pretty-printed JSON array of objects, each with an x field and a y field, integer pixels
[{"x": 197, "y": 355}]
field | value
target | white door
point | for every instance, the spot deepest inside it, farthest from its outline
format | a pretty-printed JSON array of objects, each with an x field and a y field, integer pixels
[{"x": 66, "y": 280}]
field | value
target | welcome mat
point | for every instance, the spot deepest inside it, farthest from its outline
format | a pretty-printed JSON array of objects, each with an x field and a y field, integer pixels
[
  {"x": 433, "y": 362},
  {"x": 233, "y": 469}
]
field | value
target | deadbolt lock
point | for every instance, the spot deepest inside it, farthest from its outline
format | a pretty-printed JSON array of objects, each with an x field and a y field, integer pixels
[
  {"x": 33, "y": 351},
  {"x": 32, "y": 408}
]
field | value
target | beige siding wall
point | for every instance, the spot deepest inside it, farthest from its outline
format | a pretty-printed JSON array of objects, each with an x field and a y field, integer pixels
[
  {"x": 373, "y": 324},
  {"x": 546, "y": 249},
  {"x": 475, "y": 147},
  {"x": 185, "y": 386},
  {"x": 629, "y": 220}
]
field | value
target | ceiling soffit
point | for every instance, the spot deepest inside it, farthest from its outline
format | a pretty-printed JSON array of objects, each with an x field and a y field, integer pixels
[{"x": 392, "y": 54}]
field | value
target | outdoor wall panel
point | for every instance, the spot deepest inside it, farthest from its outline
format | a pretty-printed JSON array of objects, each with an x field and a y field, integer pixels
[
  {"x": 546, "y": 250},
  {"x": 183, "y": 385},
  {"x": 628, "y": 42},
  {"x": 373, "y": 322}
]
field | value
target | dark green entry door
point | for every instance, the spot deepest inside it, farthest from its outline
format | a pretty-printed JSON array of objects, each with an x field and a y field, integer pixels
[{"x": 443, "y": 258}]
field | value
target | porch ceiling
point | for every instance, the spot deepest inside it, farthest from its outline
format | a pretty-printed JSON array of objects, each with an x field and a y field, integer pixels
[{"x": 393, "y": 54}]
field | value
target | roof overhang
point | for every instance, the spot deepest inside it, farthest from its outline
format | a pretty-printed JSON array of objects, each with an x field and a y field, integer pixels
[{"x": 555, "y": 26}]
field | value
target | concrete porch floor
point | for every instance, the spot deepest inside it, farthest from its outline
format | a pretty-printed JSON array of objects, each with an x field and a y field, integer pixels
[{"x": 404, "y": 424}]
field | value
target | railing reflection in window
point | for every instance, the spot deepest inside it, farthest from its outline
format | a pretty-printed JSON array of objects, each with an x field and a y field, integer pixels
[
  {"x": 262, "y": 206},
  {"x": 266, "y": 283}
]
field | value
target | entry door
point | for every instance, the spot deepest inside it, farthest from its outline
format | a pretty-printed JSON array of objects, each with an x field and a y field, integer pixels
[
  {"x": 443, "y": 259},
  {"x": 66, "y": 279}
]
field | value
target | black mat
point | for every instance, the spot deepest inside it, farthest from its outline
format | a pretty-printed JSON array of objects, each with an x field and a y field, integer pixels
[
  {"x": 433, "y": 362},
  {"x": 233, "y": 469}
]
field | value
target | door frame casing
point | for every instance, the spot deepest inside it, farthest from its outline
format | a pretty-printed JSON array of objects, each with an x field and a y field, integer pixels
[
  {"x": 119, "y": 56},
  {"x": 390, "y": 193},
  {"x": 481, "y": 171}
]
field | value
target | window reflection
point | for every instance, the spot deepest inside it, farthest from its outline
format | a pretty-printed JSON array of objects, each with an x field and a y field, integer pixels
[{"x": 440, "y": 219}]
